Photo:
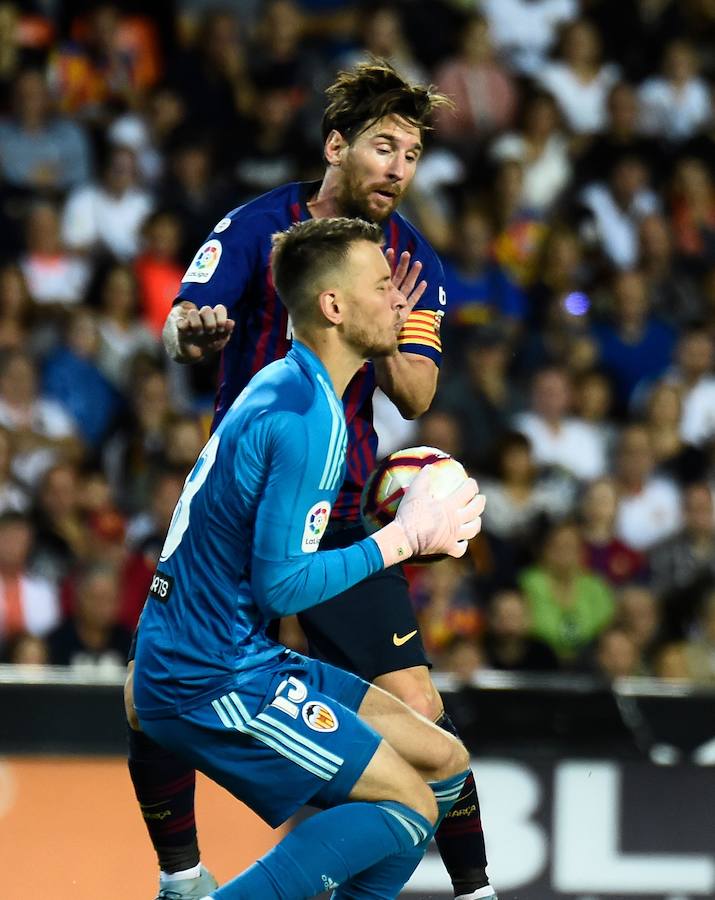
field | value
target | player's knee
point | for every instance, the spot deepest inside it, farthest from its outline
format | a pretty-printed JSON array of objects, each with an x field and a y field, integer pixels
[
  {"x": 420, "y": 699},
  {"x": 422, "y": 800},
  {"x": 449, "y": 757},
  {"x": 129, "y": 710}
]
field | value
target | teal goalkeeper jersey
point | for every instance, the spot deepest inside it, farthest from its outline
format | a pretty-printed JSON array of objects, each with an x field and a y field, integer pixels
[{"x": 242, "y": 547}]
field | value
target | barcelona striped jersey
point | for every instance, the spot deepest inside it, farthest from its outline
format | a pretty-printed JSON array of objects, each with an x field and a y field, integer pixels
[{"x": 233, "y": 267}]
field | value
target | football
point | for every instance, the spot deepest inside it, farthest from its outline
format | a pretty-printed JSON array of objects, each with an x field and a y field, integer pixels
[{"x": 387, "y": 484}]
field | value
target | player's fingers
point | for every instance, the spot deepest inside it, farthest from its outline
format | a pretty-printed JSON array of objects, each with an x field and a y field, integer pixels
[
  {"x": 414, "y": 297},
  {"x": 189, "y": 323},
  {"x": 401, "y": 270},
  {"x": 459, "y": 549},
  {"x": 462, "y": 495},
  {"x": 408, "y": 285},
  {"x": 390, "y": 257},
  {"x": 221, "y": 316},
  {"x": 471, "y": 510},
  {"x": 422, "y": 483},
  {"x": 470, "y": 529},
  {"x": 208, "y": 319}
]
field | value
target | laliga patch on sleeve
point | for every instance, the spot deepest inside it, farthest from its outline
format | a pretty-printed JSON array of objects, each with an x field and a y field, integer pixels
[
  {"x": 315, "y": 524},
  {"x": 222, "y": 225},
  {"x": 204, "y": 263}
]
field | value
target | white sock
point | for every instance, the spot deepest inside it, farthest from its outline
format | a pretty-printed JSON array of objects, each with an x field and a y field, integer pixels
[
  {"x": 183, "y": 875},
  {"x": 485, "y": 891}
]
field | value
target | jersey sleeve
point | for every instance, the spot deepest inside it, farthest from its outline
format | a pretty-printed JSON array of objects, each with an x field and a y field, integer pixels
[
  {"x": 421, "y": 332},
  {"x": 227, "y": 262},
  {"x": 288, "y": 572}
]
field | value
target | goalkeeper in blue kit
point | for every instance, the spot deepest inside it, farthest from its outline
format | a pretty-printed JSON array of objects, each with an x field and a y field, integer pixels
[{"x": 277, "y": 729}]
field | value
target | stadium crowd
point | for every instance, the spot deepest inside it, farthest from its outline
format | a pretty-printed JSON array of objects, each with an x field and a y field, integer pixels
[{"x": 571, "y": 196}]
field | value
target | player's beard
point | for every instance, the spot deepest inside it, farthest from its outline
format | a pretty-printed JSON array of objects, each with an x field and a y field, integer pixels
[
  {"x": 370, "y": 342},
  {"x": 354, "y": 200}
]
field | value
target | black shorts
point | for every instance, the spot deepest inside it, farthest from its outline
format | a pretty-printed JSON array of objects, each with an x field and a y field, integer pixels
[{"x": 371, "y": 628}]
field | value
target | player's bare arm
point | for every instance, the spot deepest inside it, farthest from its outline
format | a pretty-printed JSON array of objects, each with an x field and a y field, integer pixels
[
  {"x": 408, "y": 379},
  {"x": 191, "y": 334}
]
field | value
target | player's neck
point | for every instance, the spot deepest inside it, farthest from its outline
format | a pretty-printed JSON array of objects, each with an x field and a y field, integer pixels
[
  {"x": 325, "y": 203},
  {"x": 341, "y": 362}
]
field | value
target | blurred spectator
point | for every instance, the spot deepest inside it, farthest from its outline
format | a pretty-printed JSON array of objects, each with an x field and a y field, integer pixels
[
  {"x": 674, "y": 293},
  {"x": 693, "y": 213},
  {"x": 560, "y": 273},
  {"x": 615, "y": 208},
  {"x": 569, "y": 606},
  {"x": 122, "y": 335},
  {"x": 42, "y": 432},
  {"x": 700, "y": 649},
  {"x": 520, "y": 500},
  {"x": 185, "y": 439},
  {"x": 15, "y": 52},
  {"x": 482, "y": 90},
  {"x": 648, "y": 505},
  {"x": 111, "y": 60},
  {"x": 620, "y": 136},
  {"x": 446, "y": 606},
  {"x": 145, "y": 537},
  {"x": 381, "y": 35},
  {"x": 12, "y": 497},
  {"x": 28, "y": 602},
  {"x": 694, "y": 375},
  {"x": 616, "y": 655},
  {"x": 17, "y": 311},
  {"x": 542, "y": 150},
  {"x": 107, "y": 216},
  {"x": 134, "y": 454},
  {"x": 158, "y": 269},
  {"x": 193, "y": 192},
  {"x": 593, "y": 404},
  {"x": 519, "y": 230},
  {"x": 605, "y": 554},
  {"x": 105, "y": 523},
  {"x": 462, "y": 658},
  {"x": 686, "y": 558},
  {"x": 269, "y": 148},
  {"x": 677, "y": 104},
  {"x": 277, "y": 53},
  {"x": 671, "y": 662},
  {"x": 478, "y": 288},
  {"x": 27, "y": 650},
  {"x": 508, "y": 644},
  {"x": 579, "y": 80},
  {"x": 40, "y": 151},
  {"x": 557, "y": 439},
  {"x": 639, "y": 615},
  {"x": 71, "y": 376},
  {"x": 55, "y": 278},
  {"x": 525, "y": 30},
  {"x": 634, "y": 347},
  {"x": 673, "y": 456},
  {"x": 62, "y": 539},
  {"x": 480, "y": 394},
  {"x": 91, "y": 637},
  {"x": 439, "y": 428}
]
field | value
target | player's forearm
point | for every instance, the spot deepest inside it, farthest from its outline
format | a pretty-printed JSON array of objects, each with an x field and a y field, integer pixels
[
  {"x": 284, "y": 588},
  {"x": 170, "y": 335},
  {"x": 410, "y": 381}
]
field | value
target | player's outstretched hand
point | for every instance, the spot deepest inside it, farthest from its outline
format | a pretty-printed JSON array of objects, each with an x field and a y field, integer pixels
[
  {"x": 440, "y": 526},
  {"x": 404, "y": 278},
  {"x": 201, "y": 332}
]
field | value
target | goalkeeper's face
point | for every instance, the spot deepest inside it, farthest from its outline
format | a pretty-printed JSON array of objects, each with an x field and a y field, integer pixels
[
  {"x": 377, "y": 168},
  {"x": 371, "y": 303}
]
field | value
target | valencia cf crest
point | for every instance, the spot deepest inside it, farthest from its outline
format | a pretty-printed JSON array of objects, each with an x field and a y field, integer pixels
[{"x": 319, "y": 716}]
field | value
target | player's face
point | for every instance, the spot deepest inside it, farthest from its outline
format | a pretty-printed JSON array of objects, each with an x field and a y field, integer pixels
[
  {"x": 377, "y": 168},
  {"x": 372, "y": 311}
]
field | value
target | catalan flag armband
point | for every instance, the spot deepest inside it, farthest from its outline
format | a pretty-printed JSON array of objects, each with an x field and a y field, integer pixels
[{"x": 421, "y": 333}]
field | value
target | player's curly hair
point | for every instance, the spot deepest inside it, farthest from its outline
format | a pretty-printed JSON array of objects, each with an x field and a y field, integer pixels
[
  {"x": 373, "y": 90},
  {"x": 307, "y": 250}
]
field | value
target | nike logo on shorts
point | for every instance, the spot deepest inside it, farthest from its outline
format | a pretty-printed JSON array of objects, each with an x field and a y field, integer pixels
[{"x": 399, "y": 641}]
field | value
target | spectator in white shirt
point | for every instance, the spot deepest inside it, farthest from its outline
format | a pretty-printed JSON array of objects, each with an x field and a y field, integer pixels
[
  {"x": 695, "y": 356},
  {"x": 676, "y": 104},
  {"x": 579, "y": 81},
  {"x": 525, "y": 30},
  {"x": 648, "y": 505},
  {"x": 615, "y": 210},
  {"x": 541, "y": 148},
  {"x": 108, "y": 216},
  {"x": 556, "y": 438}
]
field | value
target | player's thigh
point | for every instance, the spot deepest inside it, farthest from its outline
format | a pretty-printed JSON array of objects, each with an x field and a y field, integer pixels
[
  {"x": 415, "y": 688},
  {"x": 389, "y": 777},
  {"x": 430, "y": 750}
]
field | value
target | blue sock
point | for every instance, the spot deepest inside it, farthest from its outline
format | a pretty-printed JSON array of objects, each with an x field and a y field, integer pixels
[
  {"x": 386, "y": 878},
  {"x": 329, "y": 849}
]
